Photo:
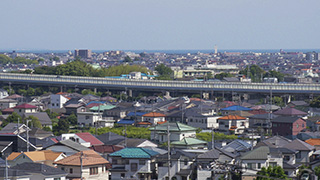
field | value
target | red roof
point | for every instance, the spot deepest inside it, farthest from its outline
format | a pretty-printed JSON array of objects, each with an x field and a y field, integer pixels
[
  {"x": 162, "y": 122},
  {"x": 25, "y": 106},
  {"x": 89, "y": 138},
  {"x": 93, "y": 105},
  {"x": 258, "y": 111},
  {"x": 8, "y": 110},
  {"x": 144, "y": 123}
]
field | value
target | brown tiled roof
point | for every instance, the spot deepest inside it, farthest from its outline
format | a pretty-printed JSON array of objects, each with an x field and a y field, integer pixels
[
  {"x": 232, "y": 117},
  {"x": 13, "y": 155},
  {"x": 89, "y": 157},
  {"x": 37, "y": 155},
  {"x": 106, "y": 148},
  {"x": 313, "y": 141},
  {"x": 154, "y": 114}
]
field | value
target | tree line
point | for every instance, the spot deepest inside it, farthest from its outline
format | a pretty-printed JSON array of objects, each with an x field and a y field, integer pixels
[{"x": 18, "y": 60}]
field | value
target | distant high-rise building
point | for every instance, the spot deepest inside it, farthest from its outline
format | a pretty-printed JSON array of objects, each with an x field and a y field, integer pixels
[
  {"x": 312, "y": 56},
  {"x": 215, "y": 49},
  {"x": 83, "y": 53}
]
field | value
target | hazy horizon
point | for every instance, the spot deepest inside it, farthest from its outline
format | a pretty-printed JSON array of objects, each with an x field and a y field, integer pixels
[{"x": 159, "y": 25}]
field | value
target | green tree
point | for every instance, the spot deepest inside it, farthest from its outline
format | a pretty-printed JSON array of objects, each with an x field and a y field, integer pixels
[
  {"x": 315, "y": 102},
  {"x": 165, "y": 72},
  {"x": 61, "y": 127},
  {"x": 72, "y": 119},
  {"x": 34, "y": 122},
  {"x": 222, "y": 75},
  {"x": 127, "y": 59},
  {"x": 276, "y": 74},
  {"x": 255, "y": 73},
  {"x": 13, "y": 118},
  {"x": 272, "y": 172},
  {"x": 31, "y": 92},
  {"x": 317, "y": 171},
  {"x": 4, "y": 59}
]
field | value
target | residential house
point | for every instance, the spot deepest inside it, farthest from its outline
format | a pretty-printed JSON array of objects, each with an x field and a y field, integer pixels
[
  {"x": 14, "y": 128},
  {"x": 233, "y": 124},
  {"x": 7, "y": 103},
  {"x": 232, "y": 109},
  {"x": 304, "y": 149},
  {"x": 105, "y": 150},
  {"x": 177, "y": 130},
  {"x": 289, "y": 111},
  {"x": 47, "y": 157},
  {"x": 190, "y": 143},
  {"x": 85, "y": 138},
  {"x": 116, "y": 113},
  {"x": 261, "y": 121},
  {"x": 237, "y": 146},
  {"x": 85, "y": 164},
  {"x": 131, "y": 142},
  {"x": 315, "y": 142},
  {"x": 25, "y": 108},
  {"x": 154, "y": 117},
  {"x": 74, "y": 108},
  {"x": 201, "y": 121},
  {"x": 215, "y": 159},
  {"x": 265, "y": 156},
  {"x": 133, "y": 163},
  {"x": 288, "y": 125},
  {"x": 68, "y": 147},
  {"x": 181, "y": 165},
  {"x": 110, "y": 138},
  {"x": 57, "y": 101},
  {"x": 19, "y": 144},
  {"x": 3, "y": 93},
  {"x": 94, "y": 119},
  {"x": 14, "y": 174},
  {"x": 42, "y": 117}
]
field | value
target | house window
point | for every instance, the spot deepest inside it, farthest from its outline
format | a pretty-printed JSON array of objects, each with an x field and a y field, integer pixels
[
  {"x": 274, "y": 125},
  {"x": 185, "y": 161},
  {"x": 273, "y": 164},
  {"x": 122, "y": 175},
  {"x": 297, "y": 125},
  {"x": 249, "y": 165},
  {"x": 93, "y": 170},
  {"x": 71, "y": 170},
  {"x": 242, "y": 123},
  {"x": 286, "y": 158},
  {"x": 56, "y": 178},
  {"x": 303, "y": 125},
  {"x": 52, "y": 104},
  {"x": 259, "y": 165},
  {"x": 87, "y": 117},
  {"x": 298, "y": 156},
  {"x": 142, "y": 162},
  {"x": 57, "y": 104},
  {"x": 62, "y": 168},
  {"x": 134, "y": 167}
]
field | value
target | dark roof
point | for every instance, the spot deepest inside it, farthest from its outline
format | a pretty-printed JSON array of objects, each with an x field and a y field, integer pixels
[
  {"x": 11, "y": 128},
  {"x": 263, "y": 116},
  {"x": 275, "y": 141},
  {"x": 14, "y": 173},
  {"x": 212, "y": 154},
  {"x": 299, "y": 145},
  {"x": 236, "y": 146},
  {"x": 71, "y": 144},
  {"x": 177, "y": 154},
  {"x": 133, "y": 142},
  {"x": 109, "y": 136},
  {"x": 106, "y": 148},
  {"x": 285, "y": 119},
  {"x": 25, "y": 106},
  {"x": 290, "y": 112},
  {"x": 42, "y": 116},
  {"x": 46, "y": 170}
]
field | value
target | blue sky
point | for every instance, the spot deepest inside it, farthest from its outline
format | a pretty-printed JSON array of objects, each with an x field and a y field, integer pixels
[{"x": 159, "y": 24}]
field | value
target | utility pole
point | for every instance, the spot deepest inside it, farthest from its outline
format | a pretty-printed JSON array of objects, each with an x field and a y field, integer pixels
[
  {"x": 168, "y": 141},
  {"x": 270, "y": 110},
  {"x": 81, "y": 165}
]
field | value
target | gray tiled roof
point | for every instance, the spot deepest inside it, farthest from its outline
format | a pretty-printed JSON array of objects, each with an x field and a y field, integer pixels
[
  {"x": 46, "y": 170},
  {"x": 285, "y": 119},
  {"x": 71, "y": 144},
  {"x": 299, "y": 145},
  {"x": 42, "y": 116}
]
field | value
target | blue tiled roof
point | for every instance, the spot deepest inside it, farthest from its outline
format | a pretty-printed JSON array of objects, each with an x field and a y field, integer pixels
[
  {"x": 236, "y": 108},
  {"x": 126, "y": 121},
  {"x": 136, "y": 114},
  {"x": 135, "y": 153},
  {"x": 98, "y": 102}
]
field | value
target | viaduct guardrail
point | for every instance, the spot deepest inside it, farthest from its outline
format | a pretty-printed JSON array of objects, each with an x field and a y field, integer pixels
[{"x": 157, "y": 85}]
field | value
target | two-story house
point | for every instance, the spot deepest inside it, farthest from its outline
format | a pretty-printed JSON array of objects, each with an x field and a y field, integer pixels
[
  {"x": 287, "y": 125},
  {"x": 234, "y": 123},
  {"x": 85, "y": 164},
  {"x": 154, "y": 117},
  {"x": 177, "y": 131},
  {"x": 25, "y": 108},
  {"x": 133, "y": 163}
]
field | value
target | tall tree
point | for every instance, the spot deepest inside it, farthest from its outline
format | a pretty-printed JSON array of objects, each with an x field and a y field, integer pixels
[{"x": 164, "y": 71}]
